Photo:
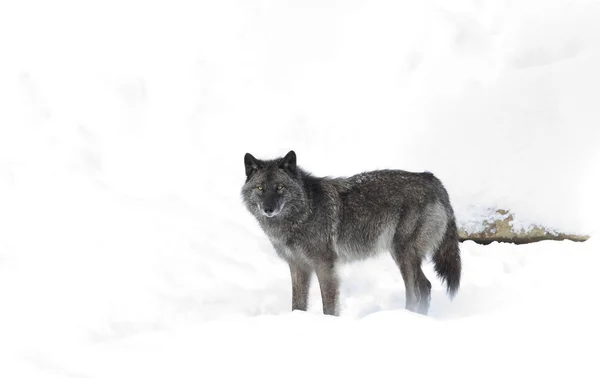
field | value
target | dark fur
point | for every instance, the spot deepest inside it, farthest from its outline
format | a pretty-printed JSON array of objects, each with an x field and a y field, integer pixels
[{"x": 315, "y": 223}]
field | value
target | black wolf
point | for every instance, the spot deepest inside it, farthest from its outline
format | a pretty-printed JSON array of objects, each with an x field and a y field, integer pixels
[{"x": 315, "y": 223}]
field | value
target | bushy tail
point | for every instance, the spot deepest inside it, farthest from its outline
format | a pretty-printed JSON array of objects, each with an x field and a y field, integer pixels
[{"x": 447, "y": 263}]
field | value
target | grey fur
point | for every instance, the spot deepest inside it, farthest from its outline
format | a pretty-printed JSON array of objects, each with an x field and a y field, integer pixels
[{"x": 315, "y": 223}]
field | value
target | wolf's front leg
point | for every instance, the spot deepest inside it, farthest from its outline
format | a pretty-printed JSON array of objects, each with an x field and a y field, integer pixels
[
  {"x": 329, "y": 283},
  {"x": 300, "y": 286}
]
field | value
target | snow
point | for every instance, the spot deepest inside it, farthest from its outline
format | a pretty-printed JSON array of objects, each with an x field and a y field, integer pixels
[
  {"x": 522, "y": 310},
  {"x": 125, "y": 249}
]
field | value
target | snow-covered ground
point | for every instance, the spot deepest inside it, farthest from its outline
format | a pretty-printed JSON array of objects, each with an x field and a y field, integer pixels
[
  {"x": 125, "y": 250},
  {"x": 522, "y": 311}
]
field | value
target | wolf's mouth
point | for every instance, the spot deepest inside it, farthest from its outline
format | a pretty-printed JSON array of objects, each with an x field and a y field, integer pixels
[{"x": 269, "y": 213}]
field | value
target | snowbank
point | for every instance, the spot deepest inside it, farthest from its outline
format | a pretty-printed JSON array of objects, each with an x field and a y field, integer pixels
[
  {"x": 496, "y": 98},
  {"x": 522, "y": 311}
]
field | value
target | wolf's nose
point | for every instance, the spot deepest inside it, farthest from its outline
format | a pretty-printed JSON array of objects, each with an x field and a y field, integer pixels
[{"x": 269, "y": 210}]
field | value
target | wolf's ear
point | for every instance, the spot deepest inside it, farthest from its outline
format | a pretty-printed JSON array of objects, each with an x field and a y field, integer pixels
[
  {"x": 288, "y": 163},
  {"x": 252, "y": 165}
]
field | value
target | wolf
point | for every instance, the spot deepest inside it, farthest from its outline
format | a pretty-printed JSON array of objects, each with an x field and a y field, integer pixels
[{"x": 317, "y": 223}]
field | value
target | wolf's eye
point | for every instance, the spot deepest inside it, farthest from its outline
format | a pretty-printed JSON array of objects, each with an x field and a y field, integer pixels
[
  {"x": 259, "y": 187},
  {"x": 280, "y": 187}
]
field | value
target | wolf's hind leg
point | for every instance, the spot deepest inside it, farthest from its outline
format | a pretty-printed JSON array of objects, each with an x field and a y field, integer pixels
[
  {"x": 301, "y": 277},
  {"x": 424, "y": 292},
  {"x": 418, "y": 288}
]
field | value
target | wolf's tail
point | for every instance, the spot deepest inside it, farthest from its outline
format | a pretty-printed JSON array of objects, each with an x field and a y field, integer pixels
[{"x": 446, "y": 259}]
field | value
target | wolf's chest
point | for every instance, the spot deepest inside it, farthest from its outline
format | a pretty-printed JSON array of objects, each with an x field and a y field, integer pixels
[{"x": 289, "y": 252}]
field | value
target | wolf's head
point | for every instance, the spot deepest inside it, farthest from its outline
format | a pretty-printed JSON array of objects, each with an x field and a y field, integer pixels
[{"x": 273, "y": 188}]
